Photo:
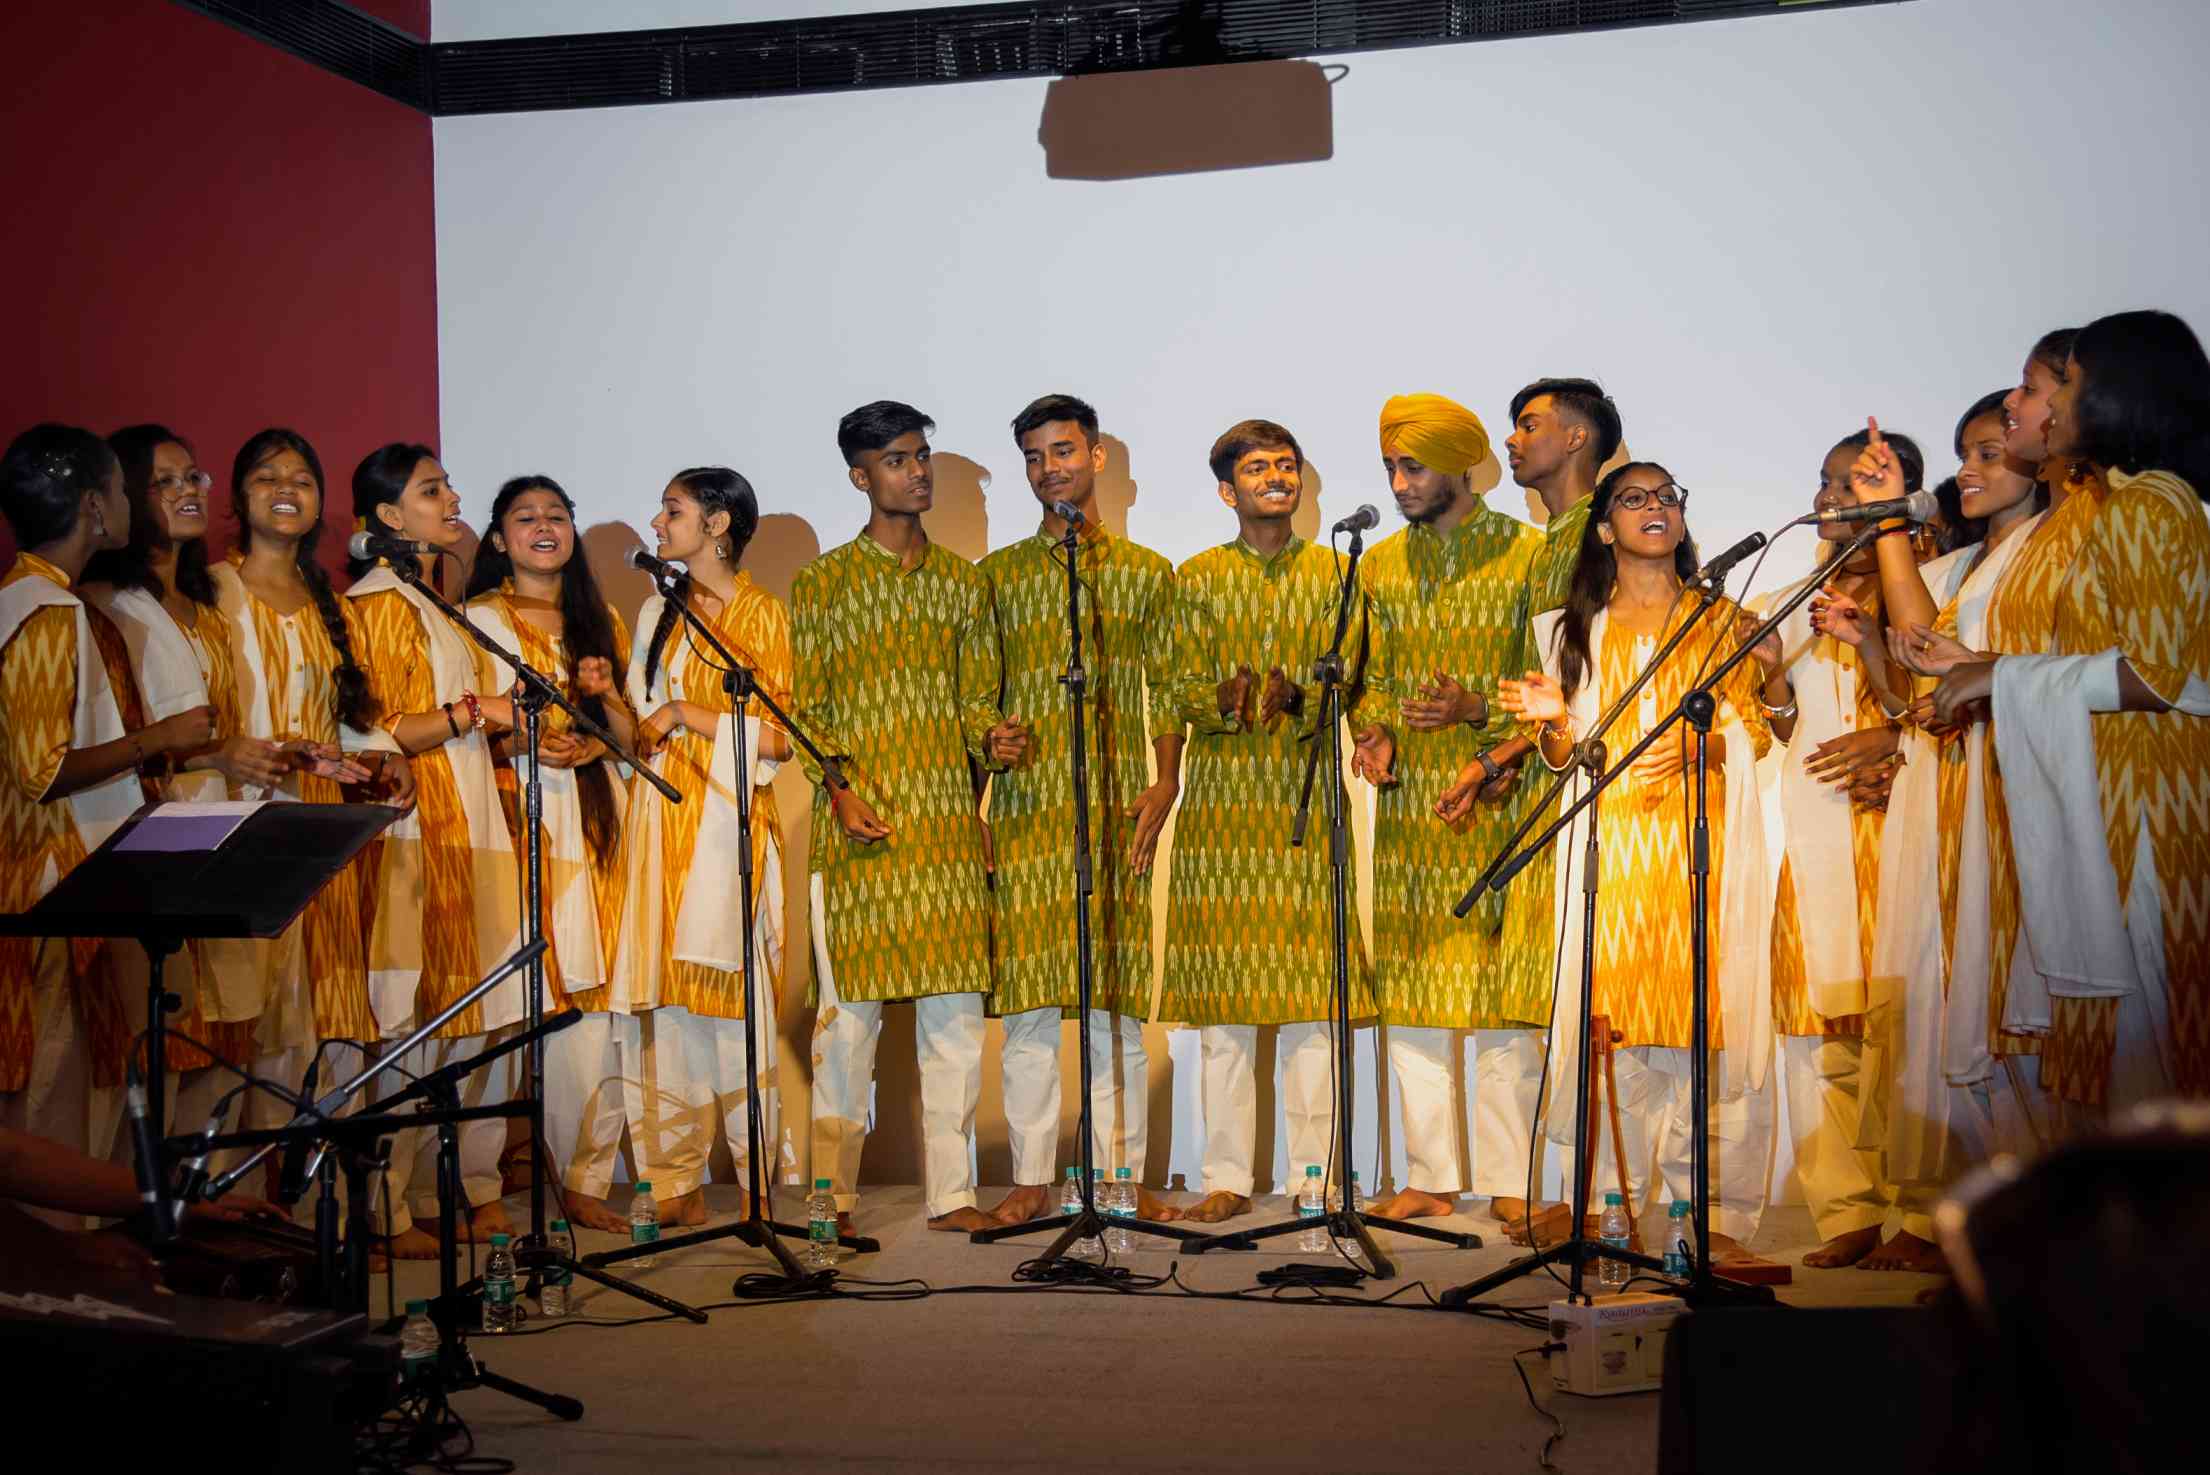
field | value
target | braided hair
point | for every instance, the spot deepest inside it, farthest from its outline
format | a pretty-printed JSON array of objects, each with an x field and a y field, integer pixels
[
  {"x": 715, "y": 489},
  {"x": 355, "y": 707}
]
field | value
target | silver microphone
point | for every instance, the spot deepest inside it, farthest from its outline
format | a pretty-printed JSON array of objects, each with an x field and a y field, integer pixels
[
  {"x": 1365, "y": 519},
  {"x": 367, "y": 545},
  {"x": 1918, "y": 507},
  {"x": 659, "y": 568},
  {"x": 1068, "y": 513}
]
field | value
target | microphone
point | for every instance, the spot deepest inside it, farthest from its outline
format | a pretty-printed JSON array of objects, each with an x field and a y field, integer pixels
[
  {"x": 291, "y": 1175},
  {"x": 1365, "y": 519},
  {"x": 195, "y": 1167},
  {"x": 1069, "y": 514},
  {"x": 1720, "y": 567},
  {"x": 659, "y": 568},
  {"x": 389, "y": 545},
  {"x": 1918, "y": 507},
  {"x": 152, "y": 1184}
]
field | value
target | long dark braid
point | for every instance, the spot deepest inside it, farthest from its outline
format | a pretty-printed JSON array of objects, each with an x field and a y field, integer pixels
[
  {"x": 586, "y": 630},
  {"x": 355, "y": 707},
  {"x": 715, "y": 489}
]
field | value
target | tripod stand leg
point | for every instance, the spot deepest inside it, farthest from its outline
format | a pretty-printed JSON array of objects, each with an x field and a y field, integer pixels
[{"x": 559, "y": 1405}]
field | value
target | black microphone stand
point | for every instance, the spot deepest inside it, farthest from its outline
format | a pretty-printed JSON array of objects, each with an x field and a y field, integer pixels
[
  {"x": 533, "y": 692},
  {"x": 756, "y": 1228},
  {"x": 1703, "y": 1285},
  {"x": 1087, "y": 1223},
  {"x": 1341, "y": 1220}
]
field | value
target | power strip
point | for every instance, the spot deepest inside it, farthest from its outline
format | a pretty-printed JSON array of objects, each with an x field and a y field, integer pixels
[{"x": 1614, "y": 1344}]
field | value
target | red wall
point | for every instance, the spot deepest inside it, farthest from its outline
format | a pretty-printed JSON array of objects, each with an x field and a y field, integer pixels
[{"x": 198, "y": 229}]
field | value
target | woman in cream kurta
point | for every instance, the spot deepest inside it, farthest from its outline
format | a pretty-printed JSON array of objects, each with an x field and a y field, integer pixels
[
  {"x": 681, "y": 952},
  {"x": 446, "y": 897},
  {"x": 1628, "y": 597},
  {"x": 525, "y": 591}
]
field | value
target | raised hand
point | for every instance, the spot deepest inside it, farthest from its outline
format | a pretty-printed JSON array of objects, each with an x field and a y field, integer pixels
[
  {"x": 186, "y": 732},
  {"x": 1443, "y": 703},
  {"x": 653, "y": 733},
  {"x": 1963, "y": 688},
  {"x": 1234, "y": 695},
  {"x": 1534, "y": 698},
  {"x": 393, "y": 777},
  {"x": 325, "y": 760},
  {"x": 1281, "y": 698},
  {"x": 1665, "y": 759},
  {"x": 562, "y": 749},
  {"x": 1927, "y": 651},
  {"x": 1374, "y": 756},
  {"x": 1839, "y": 760},
  {"x": 252, "y": 762},
  {"x": 857, "y": 816},
  {"x": 1008, "y": 742},
  {"x": 1766, "y": 652},
  {"x": 595, "y": 676},
  {"x": 1836, "y": 614},
  {"x": 1877, "y": 473}
]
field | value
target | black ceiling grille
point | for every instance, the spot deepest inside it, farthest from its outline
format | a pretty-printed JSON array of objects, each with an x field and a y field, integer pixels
[
  {"x": 336, "y": 38},
  {"x": 906, "y": 48}
]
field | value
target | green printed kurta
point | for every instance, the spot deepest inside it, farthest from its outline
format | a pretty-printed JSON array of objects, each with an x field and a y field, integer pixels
[
  {"x": 1250, "y": 930},
  {"x": 896, "y": 672},
  {"x": 1453, "y": 603},
  {"x": 1528, "y": 946},
  {"x": 1127, "y": 613}
]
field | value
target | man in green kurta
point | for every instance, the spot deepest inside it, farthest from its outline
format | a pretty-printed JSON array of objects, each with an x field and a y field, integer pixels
[
  {"x": 1445, "y": 599},
  {"x": 1130, "y": 716},
  {"x": 895, "y": 656},
  {"x": 1250, "y": 931},
  {"x": 1563, "y": 432}
]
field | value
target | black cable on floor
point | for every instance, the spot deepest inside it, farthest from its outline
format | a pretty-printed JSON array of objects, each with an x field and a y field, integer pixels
[{"x": 1557, "y": 1424}]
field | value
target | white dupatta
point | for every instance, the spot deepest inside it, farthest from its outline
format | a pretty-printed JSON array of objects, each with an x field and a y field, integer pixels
[
  {"x": 570, "y": 899},
  {"x": 395, "y": 942},
  {"x": 96, "y": 718},
  {"x": 1741, "y": 955},
  {"x": 709, "y": 928}
]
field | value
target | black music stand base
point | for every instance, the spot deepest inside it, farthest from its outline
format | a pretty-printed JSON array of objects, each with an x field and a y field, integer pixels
[
  {"x": 1341, "y": 1224},
  {"x": 755, "y": 1229},
  {"x": 1074, "y": 1228},
  {"x": 1581, "y": 1252}
]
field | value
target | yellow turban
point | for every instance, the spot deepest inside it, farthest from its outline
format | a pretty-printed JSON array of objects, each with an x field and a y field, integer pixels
[{"x": 1434, "y": 431}]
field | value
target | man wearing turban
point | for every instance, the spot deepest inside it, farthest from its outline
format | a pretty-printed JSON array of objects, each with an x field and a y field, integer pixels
[{"x": 1446, "y": 605}]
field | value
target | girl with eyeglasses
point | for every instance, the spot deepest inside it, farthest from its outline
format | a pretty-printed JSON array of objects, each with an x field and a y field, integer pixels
[{"x": 1630, "y": 591}]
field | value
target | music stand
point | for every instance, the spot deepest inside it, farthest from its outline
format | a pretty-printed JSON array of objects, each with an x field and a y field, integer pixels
[{"x": 178, "y": 873}]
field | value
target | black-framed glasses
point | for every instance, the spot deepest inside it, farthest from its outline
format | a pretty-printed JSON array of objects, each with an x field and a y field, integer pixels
[
  {"x": 175, "y": 484},
  {"x": 1634, "y": 499}
]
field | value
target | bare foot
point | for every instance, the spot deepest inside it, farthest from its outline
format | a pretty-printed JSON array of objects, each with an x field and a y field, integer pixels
[
  {"x": 1411, "y": 1203},
  {"x": 1845, "y": 1249},
  {"x": 487, "y": 1220},
  {"x": 1214, "y": 1207},
  {"x": 963, "y": 1221},
  {"x": 1027, "y": 1201},
  {"x": 1907, "y": 1252},
  {"x": 415, "y": 1243},
  {"x": 686, "y": 1212},
  {"x": 588, "y": 1212},
  {"x": 1153, "y": 1209},
  {"x": 1549, "y": 1224}
]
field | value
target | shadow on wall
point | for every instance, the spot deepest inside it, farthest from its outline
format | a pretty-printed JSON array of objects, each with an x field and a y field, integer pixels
[{"x": 960, "y": 518}]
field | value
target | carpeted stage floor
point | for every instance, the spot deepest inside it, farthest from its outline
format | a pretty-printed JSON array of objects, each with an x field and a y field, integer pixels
[{"x": 1040, "y": 1378}]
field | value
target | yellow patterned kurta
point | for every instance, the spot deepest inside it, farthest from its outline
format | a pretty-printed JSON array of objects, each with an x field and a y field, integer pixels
[
  {"x": 897, "y": 672},
  {"x": 300, "y": 662},
  {"x": 756, "y": 628},
  {"x": 1528, "y": 943},
  {"x": 1644, "y": 974},
  {"x": 2141, "y": 585},
  {"x": 1250, "y": 930},
  {"x": 1792, "y": 1011},
  {"x": 39, "y": 842},
  {"x": 1128, "y": 613},
  {"x": 1453, "y": 603},
  {"x": 544, "y": 651}
]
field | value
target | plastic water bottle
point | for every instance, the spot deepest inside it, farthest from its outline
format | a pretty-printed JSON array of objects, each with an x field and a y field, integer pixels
[
  {"x": 1612, "y": 1229},
  {"x": 821, "y": 1225},
  {"x": 558, "y": 1282},
  {"x": 417, "y": 1344},
  {"x": 1070, "y": 1193},
  {"x": 1117, "y": 1237},
  {"x": 1678, "y": 1229},
  {"x": 1357, "y": 1206},
  {"x": 1312, "y": 1210},
  {"x": 502, "y": 1306},
  {"x": 644, "y": 1222}
]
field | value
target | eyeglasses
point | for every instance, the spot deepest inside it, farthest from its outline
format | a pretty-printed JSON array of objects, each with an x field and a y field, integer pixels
[
  {"x": 174, "y": 484},
  {"x": 1634, "y": 499}
]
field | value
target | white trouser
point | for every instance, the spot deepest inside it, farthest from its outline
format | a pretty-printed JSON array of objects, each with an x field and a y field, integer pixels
[
  {"x": 947, "y": 1036},
  {"x": 1507, "y": 1105},
  {"x": 411, "y": 1182},
  {"x": 1655, "y": 1121},
  {"x": 1424, "y": 1060},
  {"x": 1120, "y": 1093},
  {"x": 591, "y": 1088},
  {"x": 688, "y": 1091},
  {"x": 1841, "y": 1182},
  {"x": 1305, "y": 1059}
]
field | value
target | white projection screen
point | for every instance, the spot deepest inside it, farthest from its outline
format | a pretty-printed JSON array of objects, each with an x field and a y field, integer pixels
[{"x": 1753, "y": 232}]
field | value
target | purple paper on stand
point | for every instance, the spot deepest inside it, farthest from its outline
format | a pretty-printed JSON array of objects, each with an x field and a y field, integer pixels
[{"x": 182, "y": 829}]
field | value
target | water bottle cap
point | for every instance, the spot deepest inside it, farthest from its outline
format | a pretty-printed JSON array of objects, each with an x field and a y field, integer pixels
[
  {"x": 1124, "y": 1173},
  {"x": 1312, "y": 1170},
  {"x": 560, "y": 1226},
  {"x": 498, "y": 1241},
  {"x": 1611, "y": 1199},
  {"x": 418, "y": 1308},
  {"x": 644, "y": 1185},
  {"x": 1075, "y": 1174},
  {"x": 1680, "y": 1208},
  {"x": 821, "y": 1185}
]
